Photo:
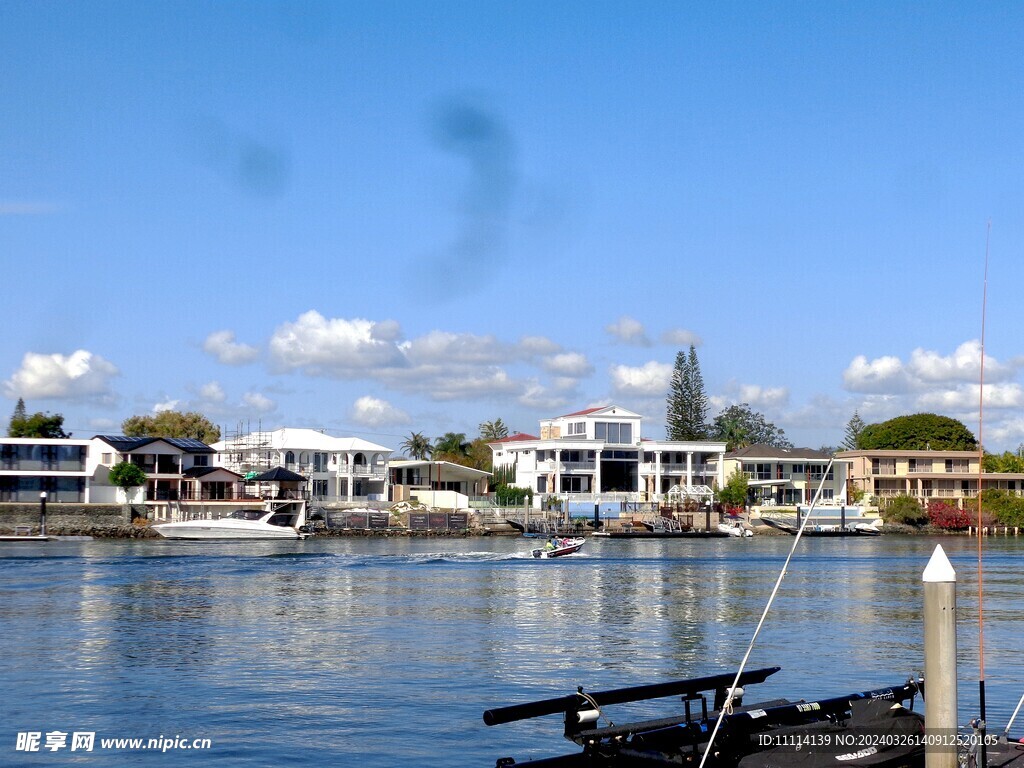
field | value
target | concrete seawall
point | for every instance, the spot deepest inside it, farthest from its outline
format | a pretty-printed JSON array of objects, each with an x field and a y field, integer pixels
[{"x": 101, "y": 520}]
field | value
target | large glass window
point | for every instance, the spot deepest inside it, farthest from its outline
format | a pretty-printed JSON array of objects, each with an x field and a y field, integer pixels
[{"x": 613, "y": 433}]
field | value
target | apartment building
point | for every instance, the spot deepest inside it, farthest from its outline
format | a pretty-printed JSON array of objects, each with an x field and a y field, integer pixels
[{"x": 925, "y": 475}]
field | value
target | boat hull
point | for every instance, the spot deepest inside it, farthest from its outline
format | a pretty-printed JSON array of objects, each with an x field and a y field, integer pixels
[{"x": 210, "y": 530}]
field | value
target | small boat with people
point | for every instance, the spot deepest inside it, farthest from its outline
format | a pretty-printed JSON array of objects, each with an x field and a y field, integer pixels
[
  {"x": 557, "y": 546},
  {"x": 279, "y": 520}
]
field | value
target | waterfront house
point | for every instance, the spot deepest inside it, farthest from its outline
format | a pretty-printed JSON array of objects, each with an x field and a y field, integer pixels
[
  {"x": 336, "y": 468},
  {"x": 598, "y": 455},
  {"x": 175, "y": 467},
  {"x": 440, "y": 484},
  {"x": 788, "y": 476},
  {"x": 950, "y": 476},
  {"x": 30, "y": 466}
]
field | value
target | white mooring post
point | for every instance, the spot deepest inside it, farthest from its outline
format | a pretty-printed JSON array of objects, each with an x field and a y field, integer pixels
[{"x": 940, "y": 660}]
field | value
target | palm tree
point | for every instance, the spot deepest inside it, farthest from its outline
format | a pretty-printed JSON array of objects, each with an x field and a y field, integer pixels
[
  {"x": 417, "y": 446},
  {"x": 452, "y": 445},
  {"x": 493, "y": 430}
]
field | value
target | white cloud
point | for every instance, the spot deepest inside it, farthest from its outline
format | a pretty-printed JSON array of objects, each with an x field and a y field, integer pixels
[
  {"x": 222, "y": 345},
  {"x": 538, "y": 346},
  {"x": 763, "y": 397},
  {"x": 80, "y": 375},
  {"x": 212, "y": 392},
  {"x": 334, "y": 347},
  {"x": 166, "y": 405},
  {"x": 538, "y": 397},
  {"x": 254, "y": 401},
  {"x": 454, "y": 348},
  {"x": 681, "y": 338},
  {"x": 629, "y": 331},
  {"x": 963, "y": 365},
  {"x": 570, "y": 364},
  {"x": 372, "y": 412},
  {"x": 647, "y": 380},
  {"x": 964, "y": 399},
  {"x": 883, "y": 374}
]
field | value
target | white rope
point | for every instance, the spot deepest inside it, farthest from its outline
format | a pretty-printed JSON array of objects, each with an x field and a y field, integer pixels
[{"x": 727, "y": 707}]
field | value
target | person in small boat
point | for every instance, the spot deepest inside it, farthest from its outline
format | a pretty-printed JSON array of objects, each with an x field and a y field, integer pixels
[{"x": 550, "y": 544}]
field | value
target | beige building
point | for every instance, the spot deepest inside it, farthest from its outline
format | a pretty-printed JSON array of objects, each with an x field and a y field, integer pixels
[{"x": 925, "y": 475}]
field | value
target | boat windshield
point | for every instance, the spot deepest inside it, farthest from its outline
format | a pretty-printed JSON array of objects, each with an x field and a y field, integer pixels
[{"x": 247, "y": 514}]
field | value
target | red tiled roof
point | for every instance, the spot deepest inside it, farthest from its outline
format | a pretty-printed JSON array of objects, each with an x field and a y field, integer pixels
[
  {"x": 583, "y": 412},
  {"x": 517, "y": 437}
]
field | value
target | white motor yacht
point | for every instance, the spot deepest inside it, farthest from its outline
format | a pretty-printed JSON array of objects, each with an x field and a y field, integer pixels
[{"x": 275, "y": 523}]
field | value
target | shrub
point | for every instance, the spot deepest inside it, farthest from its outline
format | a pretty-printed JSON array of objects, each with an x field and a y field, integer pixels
[
  {"x": 947, "y": 516},
  {"x": 905, "y": 510},
  {"x": 998, "y": 506},
  {"x": 512, "y": 495}
]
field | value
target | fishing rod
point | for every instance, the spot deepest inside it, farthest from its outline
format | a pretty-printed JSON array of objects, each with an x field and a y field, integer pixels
[{"x": 981, "y": 469}]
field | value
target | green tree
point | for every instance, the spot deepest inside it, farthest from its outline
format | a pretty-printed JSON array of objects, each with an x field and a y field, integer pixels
[
  {"x": 687, "y": 404},
  {"x": 417, "y": 446},
  {"x": 918, "y": 432},
  {"x": 127, "y": 475},
  {"x": 739, "y": 426},
  {"x": 734, "y": 494},
  {"x": 493, "y": 430},
  {"x": 1005, "y": 462},
  {"x": 853, "y": 429},
  {"x": 36, "y": 425},
  {"x": 172, "y": 424}
]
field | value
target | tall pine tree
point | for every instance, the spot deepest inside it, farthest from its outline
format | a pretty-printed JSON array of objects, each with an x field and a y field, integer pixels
[
  {"x": 687, "y": 403},
  {"x": 853, "y": 429}
]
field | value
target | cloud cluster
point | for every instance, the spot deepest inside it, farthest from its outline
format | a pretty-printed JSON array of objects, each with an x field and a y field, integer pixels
[
  {"x": 81, "y": 375},
  {"x": 222, "y": 345},
  {"x": 440, "y": 365},
  {"x": 930, "y": 381},
  {"x": 373, "y": 412}
]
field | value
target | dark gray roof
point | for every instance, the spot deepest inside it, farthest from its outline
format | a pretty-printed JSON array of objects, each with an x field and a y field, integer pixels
[
  {"x": 125, "y": 444},
  {"x": 204, "y": 471},
  {"x": 278, "y": 473},
  {"x": 759, "y": 451}
]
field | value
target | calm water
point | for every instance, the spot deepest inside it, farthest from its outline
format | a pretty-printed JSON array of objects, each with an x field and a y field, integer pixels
[{"x": 386, "y": 652}]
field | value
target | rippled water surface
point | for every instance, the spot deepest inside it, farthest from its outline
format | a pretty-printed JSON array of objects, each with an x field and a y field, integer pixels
[{"x": 385, "y": 652}]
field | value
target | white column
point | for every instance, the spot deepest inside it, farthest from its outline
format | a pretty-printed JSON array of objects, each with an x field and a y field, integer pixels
[
  {"x": 721, "y": 470},
  {"x": 657, "y": 474},
  {"x": 558, "y": 471},
  {"x": 689, "y": 468},
  {"x": 597, "y": 471}
]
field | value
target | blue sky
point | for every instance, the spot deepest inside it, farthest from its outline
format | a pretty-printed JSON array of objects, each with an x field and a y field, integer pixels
[{"x": 380, "y": 217}]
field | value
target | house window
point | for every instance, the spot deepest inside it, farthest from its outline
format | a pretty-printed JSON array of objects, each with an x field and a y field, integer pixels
[
  {"x": 201, "y": 461},
  {"x": 613, "y": 433},
  {"x": 107, "y": 459},
  {"x": 542, "y": 485},
  {"x": 576, "y": 428}
]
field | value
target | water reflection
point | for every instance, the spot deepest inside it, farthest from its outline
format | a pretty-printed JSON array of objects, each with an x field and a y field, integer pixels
[{"x": 299, "y": 651}]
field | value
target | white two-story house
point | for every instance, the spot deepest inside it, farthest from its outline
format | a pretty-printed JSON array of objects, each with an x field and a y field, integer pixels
[
  {"x": 598, "y": 454},
  {"x": 336, "y": 468}
]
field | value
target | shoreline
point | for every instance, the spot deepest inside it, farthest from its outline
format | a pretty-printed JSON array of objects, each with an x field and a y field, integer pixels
[{"x": 135, "y": 532}]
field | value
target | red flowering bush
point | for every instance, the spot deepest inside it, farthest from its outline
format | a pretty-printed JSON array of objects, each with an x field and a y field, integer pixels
[{"x": 947, "y": 516}]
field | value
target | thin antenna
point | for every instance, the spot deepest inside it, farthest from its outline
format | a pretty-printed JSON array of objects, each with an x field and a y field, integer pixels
[{"x": 981, "y": 469}]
